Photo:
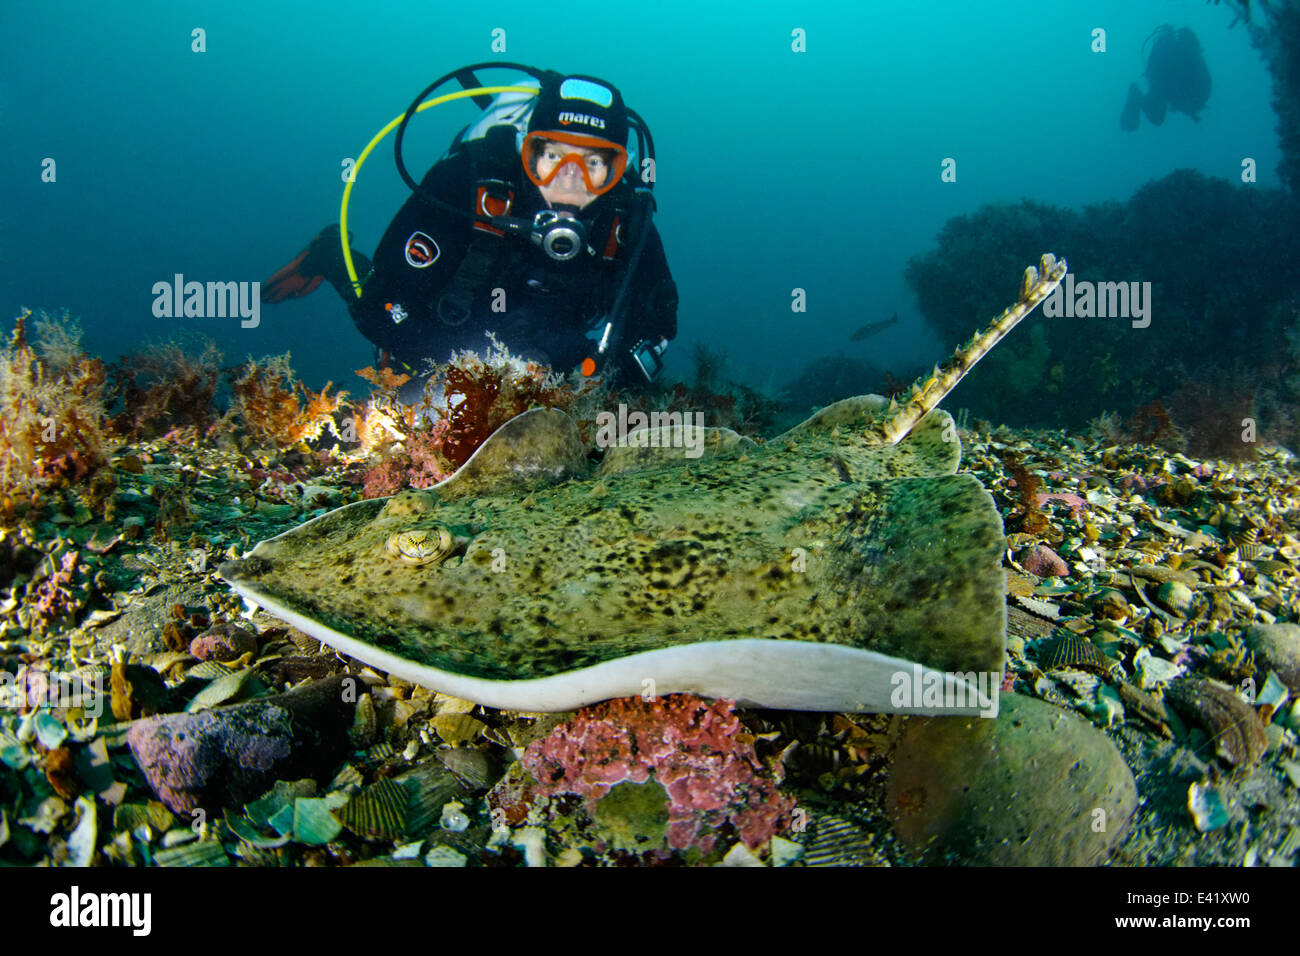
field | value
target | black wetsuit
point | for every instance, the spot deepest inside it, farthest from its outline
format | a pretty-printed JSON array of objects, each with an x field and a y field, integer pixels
[
  {"x": 548, "y": 306},
  {"x": 1177, "y": 79}
]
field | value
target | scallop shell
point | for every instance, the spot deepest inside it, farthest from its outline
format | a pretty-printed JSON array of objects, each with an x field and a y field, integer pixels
[
  {"x": 258, "y": 856},
  {"x": 419, "y": 546},
  {"x": 210, "y": 670},
  {"x": 347, "y": 778},
  {"x": 378, "y": 812},
  {"x": 1250, "y": 546},
  {"x": 1081, "y": 682},
  {"x": 1073, "y": 650},
  {"x": 431, "y": 787},
  {"x": 1269, "y": 566},
  {"x": 304, "y": 642},
  {"x": 839, "y": 842},
  {"x": 202, "y": 853},
  {"x": 474, "y": 768}
]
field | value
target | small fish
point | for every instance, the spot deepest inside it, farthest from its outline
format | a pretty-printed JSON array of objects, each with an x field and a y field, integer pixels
[{"x": 871, "y": 328}]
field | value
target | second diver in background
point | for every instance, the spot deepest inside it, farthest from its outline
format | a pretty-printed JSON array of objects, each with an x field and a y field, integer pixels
[{"x": 1177, "y": 79}]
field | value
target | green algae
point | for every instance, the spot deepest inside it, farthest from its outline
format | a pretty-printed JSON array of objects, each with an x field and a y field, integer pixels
[{"x": 633, "y": 816}]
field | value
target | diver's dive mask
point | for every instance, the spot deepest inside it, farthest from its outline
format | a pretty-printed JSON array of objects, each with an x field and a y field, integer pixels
[{"x": 545, "y": 157}]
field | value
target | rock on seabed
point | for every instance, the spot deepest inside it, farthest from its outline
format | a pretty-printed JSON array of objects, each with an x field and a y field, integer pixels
[
  {"x": 1277, "y": 648},
  {"x": 1041, "y": 561},
  {"x": 228, "y": 755},
  {"x": 1023, "y": 789}
]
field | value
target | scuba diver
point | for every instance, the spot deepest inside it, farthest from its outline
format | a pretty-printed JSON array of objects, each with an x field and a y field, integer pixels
[
  {"x": 533, "y": 226},
  {"x": 1177, "y": 79}
]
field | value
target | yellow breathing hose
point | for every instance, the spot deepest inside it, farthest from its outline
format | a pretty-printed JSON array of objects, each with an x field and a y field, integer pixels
[{"x": 347, "y": 190}]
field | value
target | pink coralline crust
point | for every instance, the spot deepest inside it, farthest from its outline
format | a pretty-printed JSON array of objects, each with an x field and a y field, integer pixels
[
  {"x": 694, "y": 748},
  {"x": 428, "y": 467},
  {"x": 55, "y": 598},
  {"x": 422, "y": 463},
  {"x": 1135, "y": 482},
  {"x": 223, "y": 642},
  {"x": 384, "y": 479},
  {"x": 1073, "y": 502}
]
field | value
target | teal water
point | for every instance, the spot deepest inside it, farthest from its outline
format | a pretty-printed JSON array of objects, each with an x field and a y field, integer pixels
[{"x": 777, "y": 169}]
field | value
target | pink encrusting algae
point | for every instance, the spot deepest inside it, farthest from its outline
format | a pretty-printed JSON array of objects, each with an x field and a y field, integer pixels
[{"x": 697, "y": 750}]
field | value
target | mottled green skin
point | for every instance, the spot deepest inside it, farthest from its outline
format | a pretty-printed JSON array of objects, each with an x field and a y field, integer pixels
[{"x": 900, "y": 555}]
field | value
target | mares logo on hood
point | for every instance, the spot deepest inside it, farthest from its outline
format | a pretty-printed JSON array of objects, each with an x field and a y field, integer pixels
[
  {"x": 421, "y": 250},
  {"x": 595, "y": 122}
]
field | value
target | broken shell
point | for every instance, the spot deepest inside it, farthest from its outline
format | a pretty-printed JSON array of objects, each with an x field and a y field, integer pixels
[
  {"x": 1206, "y": 807},
  {"x": 457, "y": 729},
  {"x": 453, "y": 817},
  {"x": 1235, "y": 730},
  {"x": 1146, "y": 707},
  {"x": 1249, "y": 546},
  {"x": 348, "y": 779},
  {"x": 1273, "y": 694},
  {"x": 1153, "y": 671},
  {"x": 1109, "y": 603},
  {"x": 364, "y": 722},
  {"x": 420, "y": 546}
]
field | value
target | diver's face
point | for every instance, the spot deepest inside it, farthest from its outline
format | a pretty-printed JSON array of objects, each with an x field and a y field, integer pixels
[{"x": 569, "y": 185}]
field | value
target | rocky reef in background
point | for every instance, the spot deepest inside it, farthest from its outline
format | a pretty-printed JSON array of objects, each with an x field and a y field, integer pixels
[
  {"x": 1224, "y": 312},
  {"x": 1223, "y": 343},
  {"x": 829, "y": 378},
  {"x": 1274, "y": 28}
]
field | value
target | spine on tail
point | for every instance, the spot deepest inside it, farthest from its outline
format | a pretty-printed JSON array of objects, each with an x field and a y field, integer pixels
[{"x": 925, "y": 394}]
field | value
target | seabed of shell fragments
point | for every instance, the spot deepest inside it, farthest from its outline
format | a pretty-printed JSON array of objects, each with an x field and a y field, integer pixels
[{"x": 1164, "y": 562}]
